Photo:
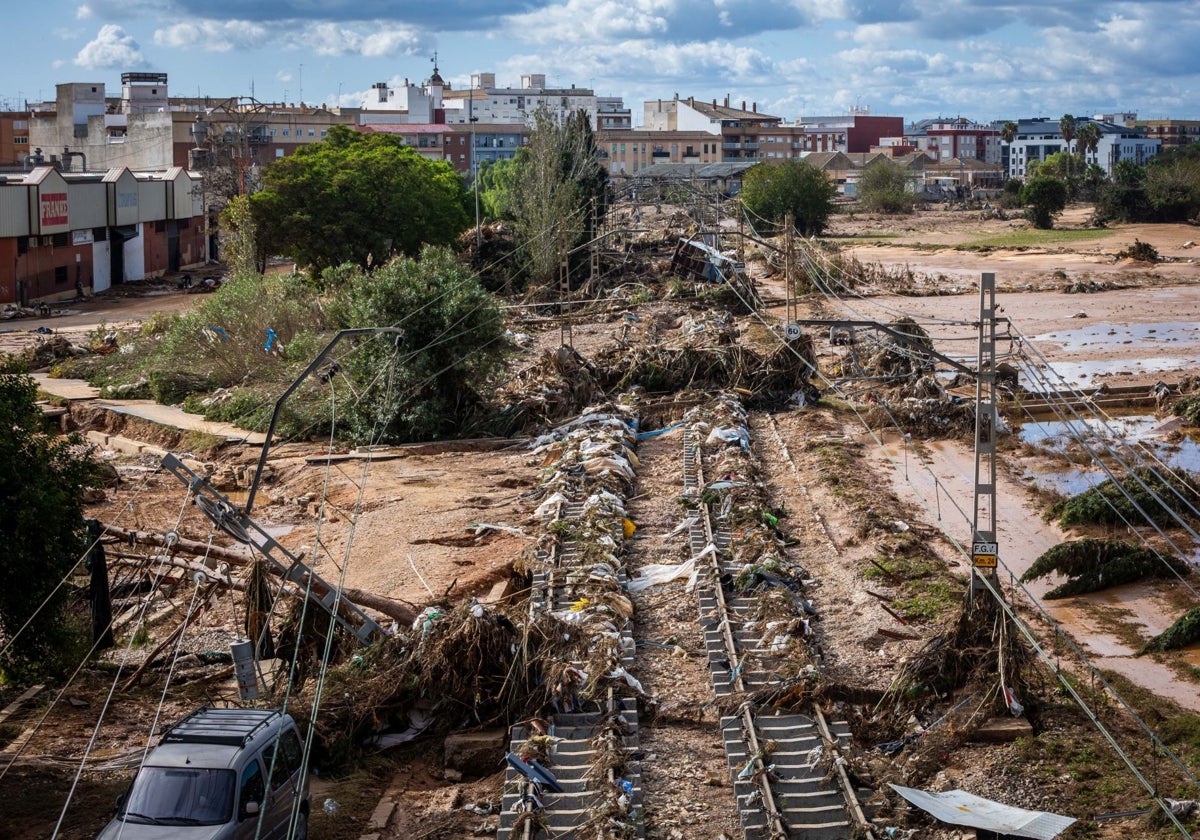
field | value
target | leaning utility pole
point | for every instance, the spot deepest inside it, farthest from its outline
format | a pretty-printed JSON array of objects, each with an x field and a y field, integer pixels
[{"x": 983, "y": 524}]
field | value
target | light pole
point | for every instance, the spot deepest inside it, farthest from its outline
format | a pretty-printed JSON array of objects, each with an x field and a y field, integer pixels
[{"x": 471, "y": 118}]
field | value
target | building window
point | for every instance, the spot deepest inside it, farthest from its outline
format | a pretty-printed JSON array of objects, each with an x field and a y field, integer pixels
[
  {"x": 311, "y": 133},
  {"x": 60, "y": 240},
  {"x": 324, "y": 132},
  {"x": 279, "y": 153},
  {"x": 21, "y": 141},
  {"x": 287, "y": 132}
]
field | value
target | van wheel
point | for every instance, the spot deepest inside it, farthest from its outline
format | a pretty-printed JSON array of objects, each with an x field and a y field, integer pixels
[{"x": 301, "y": 832}]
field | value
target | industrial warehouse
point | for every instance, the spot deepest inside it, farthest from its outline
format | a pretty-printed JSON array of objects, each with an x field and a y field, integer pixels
[{"x": 66, "y": 234}]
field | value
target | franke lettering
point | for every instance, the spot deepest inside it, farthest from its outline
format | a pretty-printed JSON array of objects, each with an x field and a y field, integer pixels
[{"x": 54, "y": 209}]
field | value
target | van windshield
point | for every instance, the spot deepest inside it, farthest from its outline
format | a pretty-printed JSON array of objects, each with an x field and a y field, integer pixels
[{"x": 180, "y": 796}]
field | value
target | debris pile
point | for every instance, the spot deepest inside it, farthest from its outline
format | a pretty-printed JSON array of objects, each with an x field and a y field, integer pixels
[
  {"x": 976, "y": 668},
  {"x": 577, "y": 574}
]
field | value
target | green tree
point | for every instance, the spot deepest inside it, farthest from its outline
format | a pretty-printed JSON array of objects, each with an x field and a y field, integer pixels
[
  {"x": 1089, "y": 137},
  {"x": 771, "y": 190},
  {"x": 1057, "y": 165},
  {"x": 426, "y": 384},
  {"x": 557, "y": 179},
  {"x": 1008, "y": 133},
  {"x": 356, "y": 198},
  {"x": 1045, "y": 197},
  {"x": 239, "y": 237},
  {"x": 1066, "y": 127},
  {"x": 1173, "y": 188},
  {"x": 42, "y": 478},
  {"x": 496, "y": 183},
  {"x": 1124, "y": 197},
  {"x": 883, "y": 188}
]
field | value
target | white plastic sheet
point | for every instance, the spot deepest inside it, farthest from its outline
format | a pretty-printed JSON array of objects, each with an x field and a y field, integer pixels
[{"x": 957, "y": 807}]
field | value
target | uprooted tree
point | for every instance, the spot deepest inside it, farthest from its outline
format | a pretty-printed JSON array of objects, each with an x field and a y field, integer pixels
[{"x": 42, "y": 478}]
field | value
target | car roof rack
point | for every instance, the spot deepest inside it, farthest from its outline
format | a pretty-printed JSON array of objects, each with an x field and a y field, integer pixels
[{"x": 227, "y": 727}]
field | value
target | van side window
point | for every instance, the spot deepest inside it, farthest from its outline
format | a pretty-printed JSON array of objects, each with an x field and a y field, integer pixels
[
  {"x": 288, "y": 763},
  {"x": 289, "y": 744},
  {"x": 252, "y": 789}
]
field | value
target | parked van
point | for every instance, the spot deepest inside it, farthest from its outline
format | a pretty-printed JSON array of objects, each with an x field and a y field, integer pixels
[{"x": 219, "y": 774}]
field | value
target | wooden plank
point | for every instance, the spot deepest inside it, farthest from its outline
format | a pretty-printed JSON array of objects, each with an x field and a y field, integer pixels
[{"x": 12, "y": 708}]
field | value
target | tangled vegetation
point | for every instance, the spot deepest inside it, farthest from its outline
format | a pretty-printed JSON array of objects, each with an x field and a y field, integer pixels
[
  {"x": 1189, "y": 409},
  {"x": 1183, "y": 632},
  {"x": 1144, "y": 495},
  {"x": 231, "y": 357},
  {"x": 1093, "y": 564}
]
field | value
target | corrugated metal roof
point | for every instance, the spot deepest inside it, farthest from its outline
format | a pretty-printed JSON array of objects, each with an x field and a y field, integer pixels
[{"x": 957, "y": 807}]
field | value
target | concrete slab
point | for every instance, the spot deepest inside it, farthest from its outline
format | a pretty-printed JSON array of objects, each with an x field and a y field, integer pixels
[
  {"x": 382, "y": 815},
  {"x": 169, "y": 415},
  {"x": 67, "y": 389}
]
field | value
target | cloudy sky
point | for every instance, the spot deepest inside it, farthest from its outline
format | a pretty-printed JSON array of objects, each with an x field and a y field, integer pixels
[{"x": 982, "y": 60}]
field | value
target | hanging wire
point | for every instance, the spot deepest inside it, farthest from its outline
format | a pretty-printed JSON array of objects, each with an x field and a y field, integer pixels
[{"x": 116, "y": 678}]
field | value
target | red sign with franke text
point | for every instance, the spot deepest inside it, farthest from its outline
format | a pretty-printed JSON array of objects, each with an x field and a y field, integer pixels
[{"x": 54, "y": 209}]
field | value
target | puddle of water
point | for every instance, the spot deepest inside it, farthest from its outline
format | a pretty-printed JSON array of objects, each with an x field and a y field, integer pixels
[
  {"x": 1083, "y": 374},
  {"x": 239, "y": 497},
  {"x": 1144, "y": 429},
  {"x": 1111, "y": 335},
  {"x": 1066, "y": 482}
]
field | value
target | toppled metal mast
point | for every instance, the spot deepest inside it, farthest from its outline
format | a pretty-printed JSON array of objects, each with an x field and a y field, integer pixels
[{"x": 236, "y": 522}]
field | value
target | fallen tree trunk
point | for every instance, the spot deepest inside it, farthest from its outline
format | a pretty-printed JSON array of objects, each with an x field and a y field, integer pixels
[{"x": 403, "y": 613}]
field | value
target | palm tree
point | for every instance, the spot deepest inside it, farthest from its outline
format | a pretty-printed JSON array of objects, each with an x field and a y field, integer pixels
[
  {"x": 1088, "y": 136},
  {"x": 1066, "y": 127},
  {"x": 1008, "y": 133}
]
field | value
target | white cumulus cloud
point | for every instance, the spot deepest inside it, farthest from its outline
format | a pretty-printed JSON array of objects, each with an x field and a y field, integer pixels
[
  {"x": 212, "y": 35},
  {"x": 110, "y": 49}
]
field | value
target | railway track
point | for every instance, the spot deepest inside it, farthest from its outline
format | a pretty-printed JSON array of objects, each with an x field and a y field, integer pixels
[
  {"x": 594, "y": 789},
  {"x": 784, "y": 768}
]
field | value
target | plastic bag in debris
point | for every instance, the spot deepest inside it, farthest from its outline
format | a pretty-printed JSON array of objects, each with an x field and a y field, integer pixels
[
  {"x": 1014, "y": 705},
  {"x": 615, "y": 464},
  {"x": 548, "y": 507},
  {"x": 569, "y": 616},
  {"x": 606, "y": 499},
  {"x": 622, "y": 674},
  {"x": 627, "y": 527},
  {"x": 724, "y": 485},
  {"x": 481, "y": 527},
  {"x": 657, "y": 573},
  {"x": 663, "y": 431},
  {"x": 729, "y": 434},
  {"x": 687, "y": 523},
  {"x": 425, "y": 620},
  {"x": 418, "y": 720},
  {"x": 1182, "y": 808},
  {"x": 813, "y": 756}
]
